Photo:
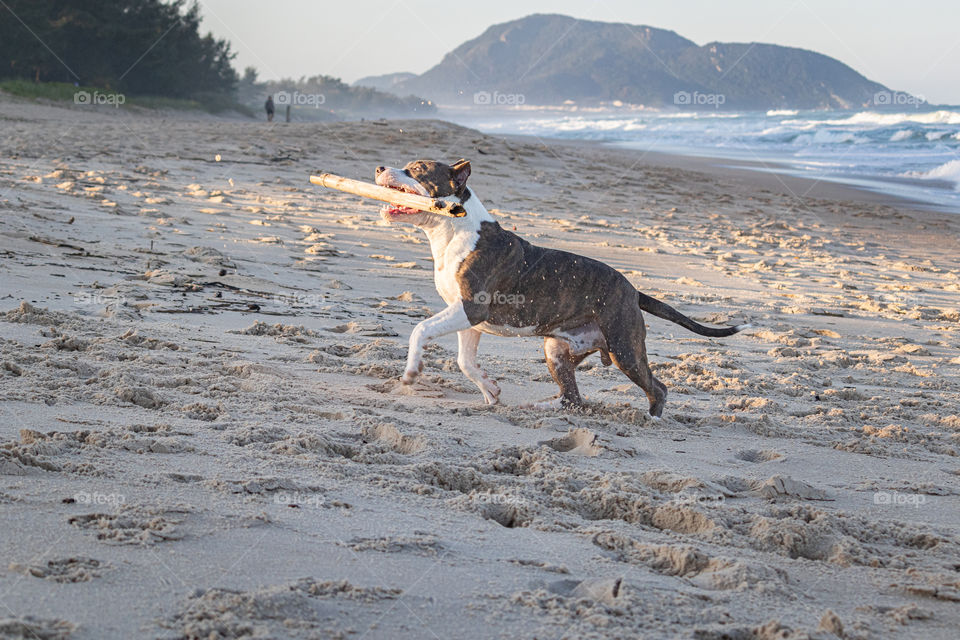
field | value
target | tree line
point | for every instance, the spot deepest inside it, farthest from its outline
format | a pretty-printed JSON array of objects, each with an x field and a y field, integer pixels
[
  {"x": 155, "y": 48},
  {"x": 141, "y": 47}
]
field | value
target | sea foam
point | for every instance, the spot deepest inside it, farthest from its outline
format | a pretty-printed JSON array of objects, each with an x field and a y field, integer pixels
[
  {"x": 890, "y": 119},
  {"x": 949, "y": 171}
]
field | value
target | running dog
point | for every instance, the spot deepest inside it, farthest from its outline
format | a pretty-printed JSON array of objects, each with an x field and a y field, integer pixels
[{"x": 495, "y": 282}]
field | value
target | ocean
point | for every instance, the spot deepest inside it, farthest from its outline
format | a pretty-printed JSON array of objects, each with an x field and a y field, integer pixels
[{"x": 913, "y": 154}]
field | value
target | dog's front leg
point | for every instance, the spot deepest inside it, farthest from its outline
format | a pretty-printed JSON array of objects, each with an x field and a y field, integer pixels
[
  {"x": 451, "y": 319},
  {"x": 468, "y": 339}
]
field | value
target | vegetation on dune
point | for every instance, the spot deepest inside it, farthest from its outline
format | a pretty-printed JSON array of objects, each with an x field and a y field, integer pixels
[
  {"x": 151, "y": 53},
  {"x": 65, "y": 92},
  {"x": 135, "y": 47}
]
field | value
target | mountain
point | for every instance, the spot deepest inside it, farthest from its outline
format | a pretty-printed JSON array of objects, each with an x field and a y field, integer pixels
[
  {"x": 384, "y": 82},
  {"x": 550, "y": 59}
]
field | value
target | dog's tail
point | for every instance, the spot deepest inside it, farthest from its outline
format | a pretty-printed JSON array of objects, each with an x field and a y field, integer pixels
[{"x": 665, "y": 311}]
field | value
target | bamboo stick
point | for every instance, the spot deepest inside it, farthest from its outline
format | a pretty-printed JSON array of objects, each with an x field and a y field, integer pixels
[{"x": 393, "y": 196}]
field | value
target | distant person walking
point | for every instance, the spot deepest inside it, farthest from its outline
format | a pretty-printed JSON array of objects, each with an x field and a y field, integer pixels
[{"x": 269, "y": 107}]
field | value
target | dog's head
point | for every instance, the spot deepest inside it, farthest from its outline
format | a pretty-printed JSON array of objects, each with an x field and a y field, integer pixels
[{"x": 424, "y": 178}]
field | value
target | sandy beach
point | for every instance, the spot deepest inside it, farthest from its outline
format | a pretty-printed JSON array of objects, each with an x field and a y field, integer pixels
[{"x": 203, "y": 435}]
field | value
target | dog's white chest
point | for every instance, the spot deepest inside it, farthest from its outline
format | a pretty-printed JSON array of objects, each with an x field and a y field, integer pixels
[
  {"x": 448, "y": 254},
  {"x": 451, "y": 241},
  {"x": 446, "y": 281}
]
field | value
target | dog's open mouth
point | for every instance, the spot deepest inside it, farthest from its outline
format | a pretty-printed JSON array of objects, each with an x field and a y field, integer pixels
[{"x": 391, "y": 209}]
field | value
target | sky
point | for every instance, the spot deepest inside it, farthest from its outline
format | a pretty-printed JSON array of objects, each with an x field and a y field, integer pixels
[{"x": 908, "y": 46}]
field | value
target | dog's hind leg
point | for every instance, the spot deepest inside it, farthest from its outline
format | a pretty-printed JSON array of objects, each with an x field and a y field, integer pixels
[
  {"x": 629, "y": 352},
  {"x": 468, "y": 339},
  {"x": 563, "y": 364}
]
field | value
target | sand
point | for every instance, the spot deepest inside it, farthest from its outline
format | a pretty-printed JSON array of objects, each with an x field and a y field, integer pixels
[{"x": 202, "y": 434}]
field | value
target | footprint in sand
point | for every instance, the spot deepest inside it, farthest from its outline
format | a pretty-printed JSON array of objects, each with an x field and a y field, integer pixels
[
  {"x": 755, "y": 455},
  {"x": 370, "y": 329},
  {"x": 31, "y": 627},
  {"x": 133, "y": 525},
  {"x": 603, "y": 590},
  {"x": 507, "y": 515},
  {"x": 77, "y": 569},
  {"x": 582, "y": 442},
  {"x": 419, "y": 543},
  {"x": 421, "y": 388},
  {"x": 389, "y": 436}
]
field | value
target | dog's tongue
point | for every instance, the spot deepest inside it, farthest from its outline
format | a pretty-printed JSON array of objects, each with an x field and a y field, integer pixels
[{"x": 393, "y": 210}]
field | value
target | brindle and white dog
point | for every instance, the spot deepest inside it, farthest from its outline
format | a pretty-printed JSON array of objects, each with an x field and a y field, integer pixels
[{"x": 495, "y": 282}]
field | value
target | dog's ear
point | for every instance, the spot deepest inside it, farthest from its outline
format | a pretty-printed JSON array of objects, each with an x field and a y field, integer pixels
[{"x": 461, "y": 171}]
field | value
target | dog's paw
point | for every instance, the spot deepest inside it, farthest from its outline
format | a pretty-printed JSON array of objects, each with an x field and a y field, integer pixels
[
  {"x": 490, "y": 389},
  {"x": 411, "y": 373}
]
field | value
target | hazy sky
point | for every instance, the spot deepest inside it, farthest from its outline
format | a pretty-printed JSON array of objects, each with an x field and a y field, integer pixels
[{"x": 908, "y": 46}]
